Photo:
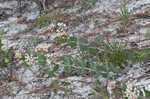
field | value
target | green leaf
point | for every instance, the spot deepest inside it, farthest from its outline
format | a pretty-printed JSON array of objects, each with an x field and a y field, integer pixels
[
  {"x": 51, "y": 73},
  {"x": 1, "y": 33},
  {"x": 93, "y": 51},
  {"x": 9, "y": 51},
  {"x": 80, "y": 62},
  {"x": 56, "y": 67},
  {"x": 91, "y": 2},
  {"x": 94, "y": 44},
  {"x": 83, "y": 40},
  {"x": 118, "y": 92},
  {"x": 105, "y": 75},
  {"x": 6, "y": 60},
  {"x": 72, "y": 41},
  {"x": 83, "y": 47},
  {"x": 67, "y": 60},
  {"x": 42, "y": 21},
  {"x": 142, "y": 54},
  {"x": 54, "y": 84},
  {"x": 81, "y": 71},
  {"x": 83, "y": 43},
  {"x": 42, "y": 60},
  {"x": 61, "y": 39},
  {"x": 113, "y": 68},
  {"x": 101, "y": 68},
  {"x": 68, "y": 68},
  {"x": 52, "y": 15},
  {"x": 147, "y": 94}
]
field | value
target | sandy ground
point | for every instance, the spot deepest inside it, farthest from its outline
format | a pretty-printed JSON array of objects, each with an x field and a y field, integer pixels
[{"x": 101, "y": 18}]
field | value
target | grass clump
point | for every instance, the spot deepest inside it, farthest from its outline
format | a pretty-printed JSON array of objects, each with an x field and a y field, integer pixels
[
  {"x": 125, "y": 15},
  {"x": 86, "y": 4},
  {"x": 117, "y": 54},
  {"x": 4, "y": 55},
  {"x": 42, "y": 21},
  {"x": 7, "y": 58}
]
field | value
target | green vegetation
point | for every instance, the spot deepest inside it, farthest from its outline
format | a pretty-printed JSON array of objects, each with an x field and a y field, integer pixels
[
  {"x": 86, "y": 4},
  {"x": 5, "y": 56},
  {"x": 97, "y": 58},
  {"x": 113, "y": 58},
  {"x": 93, "y": 56},
  {"x": 43, "y": 20},
  {"x": 125, "y": 15},
  {"x": 100, "y": 92}
]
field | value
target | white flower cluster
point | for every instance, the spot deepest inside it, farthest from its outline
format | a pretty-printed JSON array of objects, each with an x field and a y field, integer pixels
[
  {"x": 18, "y": 54},
  {"x": 131, "y": 91},
  {"x": 48, "y": 61},
  {"x": 51, "y": 27},
  {"x": 41, "y": 47},
  {"x": 61, "y": 27},
  {"x": 110, "y": 86},
  {"x": 30, "y": 59}
]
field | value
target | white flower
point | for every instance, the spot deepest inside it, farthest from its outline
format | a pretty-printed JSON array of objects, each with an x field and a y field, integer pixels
[
  {"x": 30, "y": 59},
  {"x": 51, "y": 28},
  {"x": 52, "y": 25},
  {"x": 48, "y": 61},
  {"x": 18, "y": 54},
  {"x": 61, "y": 25},
  {"x": 61, "y": 28},
  {"x": 131, "y": 91},
  {"x": 48, "y": 55},
  {"x": 110, "y": 86}
]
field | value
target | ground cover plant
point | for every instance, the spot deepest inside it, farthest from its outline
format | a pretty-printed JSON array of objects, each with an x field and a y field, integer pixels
[
  {"x": 125, "y": 15},
  {"x": 6, "y": 57},
  {"x": 94, "y": 58}
]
